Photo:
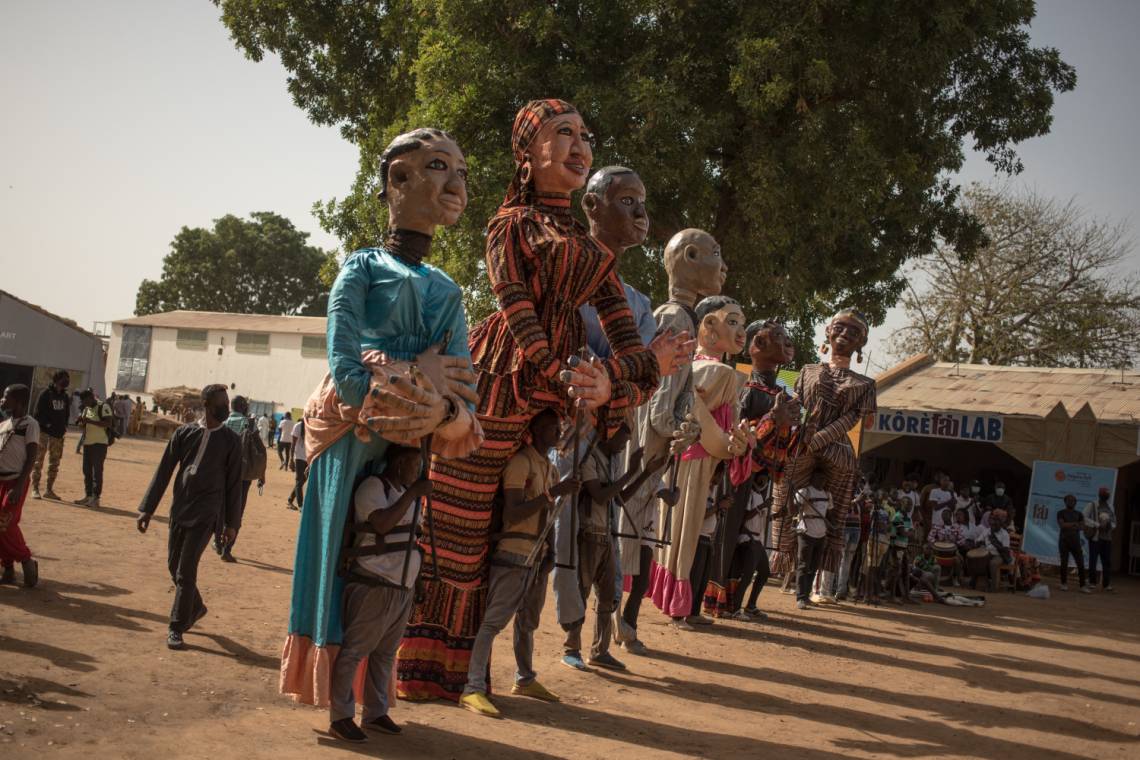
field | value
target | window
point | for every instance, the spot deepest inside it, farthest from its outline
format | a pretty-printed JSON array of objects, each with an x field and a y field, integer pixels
[
  {"x": 253, "y": 343},
  {"x": 196, "y": 340},
  {"x": 314, "y": 345},
  {"x": 134, "y": 355}
]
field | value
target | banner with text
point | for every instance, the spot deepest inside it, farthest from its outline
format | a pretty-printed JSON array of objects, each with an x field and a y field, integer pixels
[
  {"x": 1050, "y": 483},
  {"x": 987, "y": 428}
]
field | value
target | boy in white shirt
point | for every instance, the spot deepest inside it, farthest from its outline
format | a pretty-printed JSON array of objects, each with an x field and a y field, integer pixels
[
  {"x": 379, "y": 594},
  {"x": 19, "y": 442},
  {"x": 811, "y": 529}
]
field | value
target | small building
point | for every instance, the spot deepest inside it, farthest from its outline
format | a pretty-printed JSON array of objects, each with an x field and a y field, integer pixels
[
  {"x": 274, "y": 361},
  {"x": 993, "y": 422},
  {"x": 34, "y": 344}
]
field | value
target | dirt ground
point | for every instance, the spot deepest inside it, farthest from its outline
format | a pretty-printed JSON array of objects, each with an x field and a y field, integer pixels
[{"x": 84, "y": 670}]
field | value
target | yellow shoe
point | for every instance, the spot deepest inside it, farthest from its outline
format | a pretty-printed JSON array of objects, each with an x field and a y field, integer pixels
[
  {"x": 477, "y": 702},
  {"x": 535, "y": 690}
]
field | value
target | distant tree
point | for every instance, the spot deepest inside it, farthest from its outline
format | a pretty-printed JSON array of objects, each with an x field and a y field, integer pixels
[
  {"x": 262, "y": 265},
  {"x": 813, "y": 139},
  {"x": 1045, "y": 291}
]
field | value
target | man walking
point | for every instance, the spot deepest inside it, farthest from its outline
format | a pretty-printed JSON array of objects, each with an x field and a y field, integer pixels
[
  {"x": 52, "y": 413},
  {"x": 300, "y": 466},
  {"x": 285, "y": 441},
  {"x": 96, "y": 419},
  {"x": 252, "y": 468},
  {"x": 265, "y": 429},
  {"x": 207, "y": 492}
]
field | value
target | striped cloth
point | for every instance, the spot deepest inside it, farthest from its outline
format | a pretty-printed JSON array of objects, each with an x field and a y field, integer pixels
[{"x": 542, "y": 266}]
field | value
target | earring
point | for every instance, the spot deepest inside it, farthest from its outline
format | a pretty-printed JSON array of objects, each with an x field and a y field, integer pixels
[
  {"x": 824, "y": 349},
  {"x": 859, "y": 357},
  {"x": 524, "y": 173}
]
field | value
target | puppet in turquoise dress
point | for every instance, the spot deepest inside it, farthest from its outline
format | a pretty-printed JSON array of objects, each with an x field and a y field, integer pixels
[{"x": 387, "y": 310}]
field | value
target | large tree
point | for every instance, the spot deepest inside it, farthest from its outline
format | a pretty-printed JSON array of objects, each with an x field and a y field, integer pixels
[
  {"x": 1046, "y": 290},
  {"x": 813, "y": 138},
  {"x": 261, "y": 265}
]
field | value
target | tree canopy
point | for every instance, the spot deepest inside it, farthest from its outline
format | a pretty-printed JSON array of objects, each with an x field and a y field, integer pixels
[
  {"x": 1044, "y": 291},
  {"x": 812, "y": 138},
  {"x": 262, "y": 265}
]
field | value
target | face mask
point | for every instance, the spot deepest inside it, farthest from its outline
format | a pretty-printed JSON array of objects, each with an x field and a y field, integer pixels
[{"x": 999, "y": 491}]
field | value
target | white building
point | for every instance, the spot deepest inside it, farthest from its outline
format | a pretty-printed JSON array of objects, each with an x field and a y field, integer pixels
[{"x": 275, "y": 362}]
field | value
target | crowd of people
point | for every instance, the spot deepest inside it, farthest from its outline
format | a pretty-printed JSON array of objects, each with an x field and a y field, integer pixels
[{"x": 577, "y": 439}]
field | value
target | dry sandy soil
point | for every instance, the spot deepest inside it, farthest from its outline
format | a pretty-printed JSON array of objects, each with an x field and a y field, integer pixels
[{"x": 84, "y": 670}]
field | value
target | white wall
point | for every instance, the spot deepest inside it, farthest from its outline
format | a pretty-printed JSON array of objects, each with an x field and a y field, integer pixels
[{"x": 282, "y": 376}]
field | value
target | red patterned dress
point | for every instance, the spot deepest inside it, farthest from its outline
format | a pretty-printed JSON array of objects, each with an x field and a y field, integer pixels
[{"x": 542, "y": 266}]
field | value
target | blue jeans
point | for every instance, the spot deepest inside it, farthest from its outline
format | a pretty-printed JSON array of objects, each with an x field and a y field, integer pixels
[
  {"x": 850, "y": 546},
  {"x": 1100, "y": 549}
]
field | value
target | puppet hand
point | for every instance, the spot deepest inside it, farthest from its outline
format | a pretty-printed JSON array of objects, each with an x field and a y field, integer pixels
[
  {"x": 419, "y": 407},
  {"x": 738, "y": 439},
  {"x": 589, "y": 382},
  {"x": 685, "y": 435},
  {"x": 673, "y": 350},
  {"x": 785, "y": 411},
  {"x": 451, "y": 373}
]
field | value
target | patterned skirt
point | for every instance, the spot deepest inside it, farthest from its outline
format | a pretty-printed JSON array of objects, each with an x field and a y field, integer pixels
[{"x": 436, "y": 650}]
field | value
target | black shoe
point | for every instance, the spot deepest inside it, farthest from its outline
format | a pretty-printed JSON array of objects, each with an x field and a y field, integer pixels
[
  {"x": 174, "y": 640},
  {"x": 9, "y": 575},
  {"x": 218, "y": 547},
  {"x": 31, "y": 570},
  {"x": 383, "y": 724},
  {"x": 201, "y": 613},
  {"x": 227, "y": 556},
  {"x": 347, "y": 730}
]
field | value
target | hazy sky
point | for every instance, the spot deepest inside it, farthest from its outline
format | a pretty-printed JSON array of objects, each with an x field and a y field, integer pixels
[{"x": 124, "y": 121}]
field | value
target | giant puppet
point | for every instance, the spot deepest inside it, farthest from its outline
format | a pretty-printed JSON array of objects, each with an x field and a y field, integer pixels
[
  {"x": 696, "y": 270},
  {"x": 716, "y": 407},
  {"x": 542, "y": 267},
  {"x": 835, "y": 398},
  {"x": 388, "y": 308},
  {"x": 770, "y": 412}
]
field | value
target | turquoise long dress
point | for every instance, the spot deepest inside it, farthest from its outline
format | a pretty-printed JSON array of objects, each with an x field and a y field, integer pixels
[{"x": 378, "y": 302}]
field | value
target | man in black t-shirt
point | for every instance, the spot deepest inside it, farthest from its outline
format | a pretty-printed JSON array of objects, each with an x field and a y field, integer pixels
[
  {"x": 52, "y": 412},
  {"x": 1070, "y": 521}
]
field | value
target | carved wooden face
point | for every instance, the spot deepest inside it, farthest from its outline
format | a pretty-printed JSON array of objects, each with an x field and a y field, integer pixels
[
  {"x": 427, "y": 187},
  {"x": 846, "y": 335},
  {"x": 618, "y": 217},
  {"x": 561, "y": 154},
  {"x": 722, "y": 331},
  {"x": 694, "y": 263},
  {"x": 772, "y": 346}
]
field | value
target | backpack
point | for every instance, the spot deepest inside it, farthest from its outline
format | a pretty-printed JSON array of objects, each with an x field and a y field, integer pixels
[
  {"x": 112, "y": 434},
  {"x": 253, "y": 457}
]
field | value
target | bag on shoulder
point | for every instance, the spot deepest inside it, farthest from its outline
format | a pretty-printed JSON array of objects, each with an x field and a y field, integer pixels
[{"x": 253, "y": 456}]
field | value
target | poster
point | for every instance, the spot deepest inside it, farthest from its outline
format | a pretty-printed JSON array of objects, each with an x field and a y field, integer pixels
[{"x": 1047, "y": 489}]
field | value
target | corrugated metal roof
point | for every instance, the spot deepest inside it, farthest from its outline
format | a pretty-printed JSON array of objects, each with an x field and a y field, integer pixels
[
  {"x": 69, "y": 322},
  {"x": 921, "y": 385},
  {"x": 214, "y": 320}
]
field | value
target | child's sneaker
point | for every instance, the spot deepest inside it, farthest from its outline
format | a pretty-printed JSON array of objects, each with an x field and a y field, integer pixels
[
  {"x": 346, "y": 729},
  {"x": 477, "y": 702},
  {"x": 51, "y": 495},
  {"x": 802, "y": 604},
  {"x": 36, "y": 493},
  {"x": 574, "y": 660},
  {"x": 9, "y": 575},
  {"x": 535, "y": 690}
]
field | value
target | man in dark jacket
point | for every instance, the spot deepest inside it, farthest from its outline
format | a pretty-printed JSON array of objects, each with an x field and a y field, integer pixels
[
  {"x": 52, "y": 412},
  {"x": 207, "y": 492},
  {"x": 252, "y": 466}
]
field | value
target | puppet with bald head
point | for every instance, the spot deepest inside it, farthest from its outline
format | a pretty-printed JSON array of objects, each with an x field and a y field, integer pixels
[{"x": 696, "y": 270}]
